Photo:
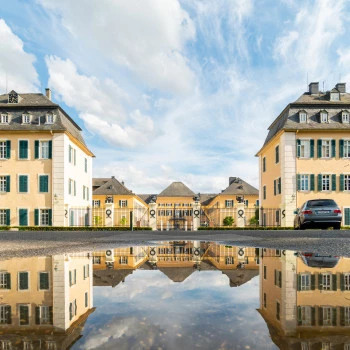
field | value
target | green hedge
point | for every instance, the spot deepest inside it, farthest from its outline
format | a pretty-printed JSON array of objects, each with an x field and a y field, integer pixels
[
  {"x": 60, "y": 228},
  {"x": 220, "y": 228}
]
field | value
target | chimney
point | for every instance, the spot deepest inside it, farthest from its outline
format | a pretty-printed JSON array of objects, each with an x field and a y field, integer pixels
[
  {"x": 313, "y": 88},
  {"x": 48, "y": 93},
  {"x": 341, "y": 87}
]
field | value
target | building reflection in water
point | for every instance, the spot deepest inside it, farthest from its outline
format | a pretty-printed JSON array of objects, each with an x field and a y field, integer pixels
[
  {"x": 44, "y": 301},
  {"x": 305, "y": 299}
]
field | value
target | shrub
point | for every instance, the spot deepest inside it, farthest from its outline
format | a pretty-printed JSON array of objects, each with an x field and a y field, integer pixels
[{"x": 228, "y": 221}]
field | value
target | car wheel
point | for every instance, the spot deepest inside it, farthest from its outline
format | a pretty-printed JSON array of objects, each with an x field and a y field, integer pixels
[
  {"x": 296, "y": 227},
  {"x": 336, "y": 227},
  {"x": 301, "y": 227}
]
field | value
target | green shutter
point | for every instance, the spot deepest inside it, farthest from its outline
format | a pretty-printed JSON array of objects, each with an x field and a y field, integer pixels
[
  {"x": 313, "y": 282},
  {"x": 8, "y": 281},
  {"x": 23, "y": 183},
  {"x": 70, "y": 311},
  {"x": 313, "y": 316},
  {"x": 120, "y": 203},
  {"x": 274, "y": 187},
  {"x": 8, "y": 149},
  {"x": 333, "y": 148},
  {"x": 36, "y": 149},
  {"x": 312, "y": 148},
  {"x": 50, "y": 217},
  {"x": 312, "y": 182},
  {"x": 342, "y": 282},
  {"x": 23, "y": 280},
  {"x": 347, "y": 216},
  {"x": 24, "y": 314},
  {"x": 341, "y": 148},
  {"x": 37, "y": 315},
  {"x": 298, "y": 182},
  {"x": 334, "y": 182},
  {"x": 299, "y": 282},
  {"x": 75, "y": 188},
  {"x": 70, "y": 278},
  {"x": 320, "y": 316},
  {"x": 320, "y": 286},
  {"x": 298, "y": 148},
  {"x": 75, "y": 156},
  {"x": 23, "y": 217},
  {"x": 8, "y": 183},
  {"x": 334, "y": 282},
  {"x": 8, "y": 217},
  {"x": 299, "y": 315},
  {"x": 44, "y": 280},
  {"x": 319, "y": 148},
  {"x": 342, "y": 316},
  {"x": 51, "y": 314},
  {"x": 319, "y": 182},
  {"x": 23, "y": 149},
  {"x": 8, "y": 314},
  {"x": 36, "y": 217},
  {"x": 50, "y": 149},
  {"x": 334, "y": 316},
  {"x": 43, "y": 183},
  {"x": 341, "y": 182}
]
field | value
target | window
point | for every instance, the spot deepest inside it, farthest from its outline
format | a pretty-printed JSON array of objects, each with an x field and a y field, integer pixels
[
  {"x": 49, "y": 118},
  {"x": 5, "y": 280},
  {"x": 45, "y": 217},
  {"x": 228, "y": 203},
  {"x": 346, "y": 281},
  {"x": 4, "y": 119},
  {"x": 86, "y": 271},
  {"x": 326, "y": 281},
  {"x": 5, "y": 314},
  {"x": 327, "y": 314},
  {"x": 5, "y": 149},
  {"x": 344, "y": 148},
  {"x": 96, "y": 260},
  {"x": 277, "y": 154},
  {"x": 6, "y": 344},
  {"x": 168, "y": 213},
  {"x": 346, "y": 312},
  {"x": 123, "y": 203},
  {"x": 86, "y": 299},
  {"x": 23, "y": 149},
  {"x": 324, "y": 116},
  {"x": 305, "y": 345},
  {"x": 23, "y": 315},
  {"x": 25, "y": 119},
  {"x": 72, "y": 187},
  {"x": 43, "y": 314},
  {"x": 326, "y": 179},
  {"x": 43, "y": 149},
  {"x": 50, "y": 345},
  {"x": 304, "y": 316},
  {"x": 264, "y": 192},
  {"x": 23, "y": 183},
  {"x": 305, "y": 282},
  {"x": 72, "y": 309},
  {"x": 304, "y": 182},
  {"x": 23, "y": 281},
  {"x": 264, "y": 164},
  {"x": 326, "y": 149},
  {"x": 277, "y": 186},
  {"x": 345, "y": 117},
  {"x": 123, "y": 260},
  {"x": 303, "y": 148},
  {"x": 278, "y": 278},
  {"x": 72, "y": 277},
  {"x": 265, "y": 301},
  {"x": 72, "y": 155},
  {"x": 265, "y": 272},
  {"x": 344, "y": 182},
  {"x": 278, "y": 311},
  {"x": 85, "y": 165},
  {"x": 44, "y": 281},
  {"x": 43, "y": 183},
  {"x": 302, "y": 117},
  {"x": 4, "y": 217},
  {"x": 229, "y": 260},
  {"x": 4, "y": 183},
  {"x": 96, "y": 203},
  {"x": 23, "y": 217}
]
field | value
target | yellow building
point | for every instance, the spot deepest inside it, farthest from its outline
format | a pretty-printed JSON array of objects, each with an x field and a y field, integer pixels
[
  {"x": 44, "y": 300},
  {"x": 306, "y": 156},
  {"x": 304, "y": 299},
  {"x": 113, "y": 203},
  {"x": 45, "y": 165}
]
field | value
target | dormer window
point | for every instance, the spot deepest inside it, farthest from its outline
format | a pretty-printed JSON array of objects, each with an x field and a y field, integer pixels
[
  {"x": 49, "y": 118},
  {"x": 324, "y": 117},
  {"x": 13, "y": 97},
  {"x": 334, "y": 95},
  {"x": 302, "y": 117},
  {"x": 4, "y": 119},
  {"x": 25, "y": 119},
  {"x": 345, "y": 116}
]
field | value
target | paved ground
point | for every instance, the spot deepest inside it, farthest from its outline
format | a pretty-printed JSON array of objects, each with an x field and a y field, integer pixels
[{"x": 36, "y": 243}]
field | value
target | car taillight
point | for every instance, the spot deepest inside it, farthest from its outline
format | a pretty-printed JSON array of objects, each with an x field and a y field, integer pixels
[
  {"x": 307, "y": 212},
  {"x": 337, "y": 211}
]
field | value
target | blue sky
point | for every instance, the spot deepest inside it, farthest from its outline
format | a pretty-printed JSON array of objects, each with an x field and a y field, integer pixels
[{"x": 174, "y": 90}]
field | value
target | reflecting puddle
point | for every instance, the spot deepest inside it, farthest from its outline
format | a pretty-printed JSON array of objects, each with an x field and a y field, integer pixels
[{"x": 176, "y": 295}]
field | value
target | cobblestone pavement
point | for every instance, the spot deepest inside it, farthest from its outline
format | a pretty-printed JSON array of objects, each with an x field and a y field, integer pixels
[{"x": 36, "y": 243}]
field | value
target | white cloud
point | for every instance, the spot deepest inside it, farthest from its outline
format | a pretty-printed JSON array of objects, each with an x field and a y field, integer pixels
[
  {"x": 146, "y": 36},
  {"x": 17, "y": 69}
]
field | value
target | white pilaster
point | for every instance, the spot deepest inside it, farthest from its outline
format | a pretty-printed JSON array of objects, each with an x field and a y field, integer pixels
[
  {"x": 109, "y": 213},
  {"x": 240, "y": 215},
  {"x": 153, "y": 215},
  {"x": 196, "y": 215}
]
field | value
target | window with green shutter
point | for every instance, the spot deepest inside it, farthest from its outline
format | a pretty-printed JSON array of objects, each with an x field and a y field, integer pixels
[
  {"x": 341, "y": 182},
  {"x": 334, "y": 182},
  {"x": 44, "y": 183},
  {"x": 312, "y": 148},
  {"x": 36, "y": 149},
  {"x": 44, "y": 281},
  {"x": 341, "y": 148},
  {"x": 8, "y": 183},
  {"x": 23, "y": 280},
  {"x": 333, "y": 151},
  {"x": 23, "y": 183},
  {"x": 23, "y": 217},
  {"x": 347, "y": 216},
  {"x": 8, "y": 149},
  {"x": 319, "y": 148},
  {"x": 298, "y": 147},
  {"x": 23, "y": 149},
  {"x": 23, "y": 315}
]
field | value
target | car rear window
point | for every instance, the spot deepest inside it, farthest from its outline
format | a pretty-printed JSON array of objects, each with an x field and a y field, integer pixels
[{"x": 321, "y": 203}]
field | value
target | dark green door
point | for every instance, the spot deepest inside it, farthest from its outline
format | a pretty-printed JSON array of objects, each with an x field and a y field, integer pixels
[
  {"x": 347, "y": 216},
  {"x": 23, "y": 217}
]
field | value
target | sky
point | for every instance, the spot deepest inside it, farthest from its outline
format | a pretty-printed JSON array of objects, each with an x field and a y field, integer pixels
[{"x": 174, "y": 90}]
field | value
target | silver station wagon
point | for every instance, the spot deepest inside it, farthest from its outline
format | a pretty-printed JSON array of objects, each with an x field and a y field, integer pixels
[{"x": 316, "y": 213}]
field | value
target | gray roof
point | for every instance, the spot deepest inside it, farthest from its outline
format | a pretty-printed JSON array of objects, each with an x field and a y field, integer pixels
[
  {"x": 239, "y": 277},
  {"x": 110, "y": 277},
  {"x": 176, "y": 274},
  {"x": 110, "y": 187},
  {"x": 240, "y": 187},
  {"x": 288, "y": 120},
  {"x": 37, "y": 106},
  {"x": 177, "y": 189}
]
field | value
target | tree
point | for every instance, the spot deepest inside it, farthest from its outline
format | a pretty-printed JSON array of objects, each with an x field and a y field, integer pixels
[{"x": 228, "y": 221}]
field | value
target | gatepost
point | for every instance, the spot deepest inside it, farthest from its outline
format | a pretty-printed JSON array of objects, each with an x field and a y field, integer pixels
[
  {"x": 240, "y": 215},
  {"x": 196, "y": 215},
  {"x": 109, "y": 212},
  {"x": 153, "y": 215}
]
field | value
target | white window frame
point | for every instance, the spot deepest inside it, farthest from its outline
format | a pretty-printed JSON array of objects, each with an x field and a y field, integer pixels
[
  {"x": 347, "y": 281},
  {"x": 326, "y": 182},
  {"x": 19, "y": 314},
  {"x": 228, "y": 203},
  {"x": 26, "y": 118},
  {"x": 44, "y": 312},
  {"x": 304, "y": 148},
  {"x": 346, "y": 148},
  {"x": 49, "y": 118},
  {"x": 302, "y": 117},
  {"x": 44, "y": 217},
  {"x": 18, "y": 282},
  {"x": 327, "y": 281},
  {"x": 347, "y": 315},
  {"x": 326, "y": 148},
  {"x": 4, "y": 118},
  {"x": 304, "y": 182},
  {"x": 3, "y": 217},
  {"x": 96, "y": 203},
  {"x": 324, "y": 117},
  {"x": 305, "y": 315},
  {"x": 327, "y": 315},
  {"x": 3, "y": 149},
  {"x": 305, "y": 281},
  {"x": 49, "y": 279},
  {"x": 3, "y": 280},
  {"x": 44, "y": 146},
  {"x": 345, "y": 117},
  {"x": 123, "y": 203}
]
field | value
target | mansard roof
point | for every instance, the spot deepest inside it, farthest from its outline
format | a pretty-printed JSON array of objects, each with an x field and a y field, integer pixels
[
  {"x": 238, "y": 186},
  {"x": 177, "y": 189}
]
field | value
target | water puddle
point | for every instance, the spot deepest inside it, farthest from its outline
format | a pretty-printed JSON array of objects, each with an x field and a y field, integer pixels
[{"x": 176, "y": 295}]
